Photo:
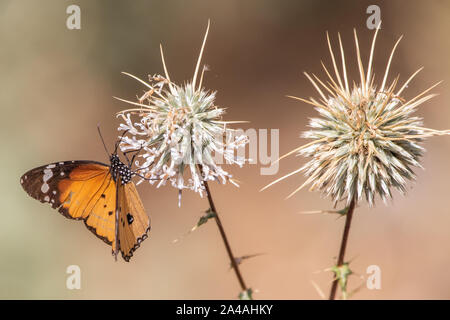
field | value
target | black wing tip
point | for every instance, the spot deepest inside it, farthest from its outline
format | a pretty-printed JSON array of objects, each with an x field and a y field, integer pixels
[{"x": 23, "y": 179}]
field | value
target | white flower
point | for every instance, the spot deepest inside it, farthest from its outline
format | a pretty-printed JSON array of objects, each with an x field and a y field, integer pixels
[
  {"x": 178, "y": 128},
  {"x": 366, "y": 140}
]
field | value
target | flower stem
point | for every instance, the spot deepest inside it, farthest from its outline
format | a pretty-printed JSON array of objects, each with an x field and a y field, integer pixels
[
  {"x": 225, "y": 239},
  {"x": 340, "y": 262}
]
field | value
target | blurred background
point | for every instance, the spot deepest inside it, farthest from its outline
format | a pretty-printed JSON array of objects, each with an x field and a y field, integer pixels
[{"x": 57, "y": 84}]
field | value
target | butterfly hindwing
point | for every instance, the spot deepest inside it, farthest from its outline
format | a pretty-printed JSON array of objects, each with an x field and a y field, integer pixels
[{"x": 134, "y": 223}]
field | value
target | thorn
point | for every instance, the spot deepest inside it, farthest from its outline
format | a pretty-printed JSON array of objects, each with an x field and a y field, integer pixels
[
  {"x": 203, "y": 219},
  {"x": 319, "y": 291},
  {"x": 341, "y": 212},
  {"x": 240, "y": 259}
]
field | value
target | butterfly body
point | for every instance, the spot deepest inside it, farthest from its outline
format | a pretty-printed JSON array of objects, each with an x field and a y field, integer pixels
[
  {"x": 118, "y": 168},
  {"x": 101, "y": 195}
]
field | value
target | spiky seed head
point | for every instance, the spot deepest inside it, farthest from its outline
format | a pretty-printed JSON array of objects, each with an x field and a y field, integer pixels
[
  {"x": 366, "y": 140},
  {"x": 179, "y": 127}
]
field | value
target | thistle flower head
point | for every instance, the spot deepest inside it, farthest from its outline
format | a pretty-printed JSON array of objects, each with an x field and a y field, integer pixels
[
  {"x": 366, "y": 140},
  {"x": 178, "y": 128}
]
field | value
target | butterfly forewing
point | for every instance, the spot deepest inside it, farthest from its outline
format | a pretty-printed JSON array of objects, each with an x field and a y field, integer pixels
[{"x": 81, "y": 190}]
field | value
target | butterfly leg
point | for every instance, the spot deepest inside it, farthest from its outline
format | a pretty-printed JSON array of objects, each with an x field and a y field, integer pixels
[{"x": 130, "y": 162}]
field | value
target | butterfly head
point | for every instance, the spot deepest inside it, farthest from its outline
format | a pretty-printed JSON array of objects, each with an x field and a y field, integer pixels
[{"x": 119, "y": 169}]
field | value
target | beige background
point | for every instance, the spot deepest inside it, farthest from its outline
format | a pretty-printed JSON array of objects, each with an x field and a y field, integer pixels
[{"x": 57, "y": 84}]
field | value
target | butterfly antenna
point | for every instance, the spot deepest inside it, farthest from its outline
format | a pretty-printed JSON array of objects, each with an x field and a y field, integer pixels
[
  {"x": 119, "y": 141},
  {"x": 101, "y": 137}
]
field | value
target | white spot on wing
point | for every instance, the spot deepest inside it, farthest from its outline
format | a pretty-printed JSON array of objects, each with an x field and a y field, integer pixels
[
  {"x": 48, "y": 173},
  {"x": 51, "y": 166},
  {"x": 45, "y": 188},
  {"x": 47, "y": 199},
  {"x": 62, "y": 173}
]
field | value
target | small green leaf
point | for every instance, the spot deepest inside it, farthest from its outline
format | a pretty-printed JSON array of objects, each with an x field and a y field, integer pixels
[
  {"x": 246, "y": 295},
  {"x": 204, "y": 219},
  {"x": 342, "y": 212},
  {"x": 342, "y": 273}
]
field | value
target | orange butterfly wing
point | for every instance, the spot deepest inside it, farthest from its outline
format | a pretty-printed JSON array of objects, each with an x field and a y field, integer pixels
[
  {"x": 80, "y": 190},
  {"x": 134, "y": 223}
]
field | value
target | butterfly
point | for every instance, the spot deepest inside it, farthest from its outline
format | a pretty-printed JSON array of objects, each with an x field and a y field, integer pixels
[{"x": 103, "y": 196}]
